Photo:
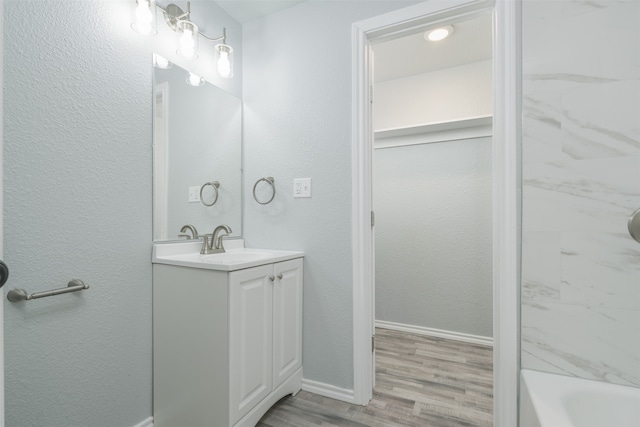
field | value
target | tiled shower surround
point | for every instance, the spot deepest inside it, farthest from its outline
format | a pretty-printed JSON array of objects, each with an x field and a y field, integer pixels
[{"x": 581, "y": 181}]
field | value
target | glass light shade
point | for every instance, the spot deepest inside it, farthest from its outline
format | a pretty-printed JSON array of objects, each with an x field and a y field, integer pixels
[
  {"x": 161, "y": 62},
  {"x": 224, "y": 60},
  {"x": 144, "y": 21},
  {"x": 188, "y": 44},
  {"x": 195, "y": 80}
]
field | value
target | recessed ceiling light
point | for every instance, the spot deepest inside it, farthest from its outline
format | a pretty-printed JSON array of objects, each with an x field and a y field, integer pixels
[{"x": 438, "y": 33}]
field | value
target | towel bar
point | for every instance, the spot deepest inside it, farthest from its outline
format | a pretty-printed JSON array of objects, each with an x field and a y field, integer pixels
[{"x": 74, "y": 285}]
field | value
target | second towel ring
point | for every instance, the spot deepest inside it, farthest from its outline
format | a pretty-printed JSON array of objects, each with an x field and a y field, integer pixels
[
  {"x": 268, "y": 180},
  {"x": 215, "y": 185}
]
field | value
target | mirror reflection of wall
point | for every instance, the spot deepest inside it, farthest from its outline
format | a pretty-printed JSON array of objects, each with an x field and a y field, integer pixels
[{"x": 197, "y": 140}]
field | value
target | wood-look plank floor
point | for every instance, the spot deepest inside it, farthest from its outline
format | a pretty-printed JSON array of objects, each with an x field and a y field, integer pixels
[{"x": 420, "y": 382}]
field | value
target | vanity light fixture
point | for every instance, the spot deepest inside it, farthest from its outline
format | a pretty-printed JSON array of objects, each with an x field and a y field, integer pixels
[
  {"x": 195, "y": 80},
  {"x": 224, "y": 59},
  {"x": 438, "y": 34},
  {"x": 145, "y": 17},
  {"x": 180, "y": 22},
  {"x": 188, "y": 47}
]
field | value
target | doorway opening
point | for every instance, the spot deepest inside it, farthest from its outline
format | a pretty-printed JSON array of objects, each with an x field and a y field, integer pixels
[
  {"x": 431, "y": 182},
  {"x": 432, "y": 199},
  {"x": 505, "y": 182}
]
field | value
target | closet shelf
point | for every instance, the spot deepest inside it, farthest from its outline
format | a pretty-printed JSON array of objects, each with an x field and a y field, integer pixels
[
  {"x": 434, "y": 127},
  {"x": 476, "y": 127}
]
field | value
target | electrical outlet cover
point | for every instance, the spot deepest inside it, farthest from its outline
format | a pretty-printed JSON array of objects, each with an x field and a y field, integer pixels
[
  {"x": 194, "y": 194},
  {"x": 302, "y": 187}
]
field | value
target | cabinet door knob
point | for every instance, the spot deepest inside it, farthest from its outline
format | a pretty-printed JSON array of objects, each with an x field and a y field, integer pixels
[
  {"x": 272, "y": 278},
  {"x": 280, "y": 276}
]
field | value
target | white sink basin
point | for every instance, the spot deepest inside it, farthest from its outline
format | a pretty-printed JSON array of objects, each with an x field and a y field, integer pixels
[{"x": 188, "y": 255}]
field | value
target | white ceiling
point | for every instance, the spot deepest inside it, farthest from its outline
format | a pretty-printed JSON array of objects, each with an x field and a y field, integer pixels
[
  {"x": 247, "y": 10},
  {"x": 470, "y": 42}
]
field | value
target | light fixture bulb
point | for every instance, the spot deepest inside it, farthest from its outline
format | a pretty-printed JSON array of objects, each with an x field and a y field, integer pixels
[
  {"x": 186, "y": 43},
  {"x": 224, "y": 66},
  {"x": 224, "y": 60},
  {"x": 144, "y": 18},
  {"x": 195, "y": 80},
  {"x": 439, "y": 33}
]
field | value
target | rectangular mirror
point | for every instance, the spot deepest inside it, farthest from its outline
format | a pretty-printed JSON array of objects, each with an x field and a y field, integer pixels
[{"x": 197, "y": 151}]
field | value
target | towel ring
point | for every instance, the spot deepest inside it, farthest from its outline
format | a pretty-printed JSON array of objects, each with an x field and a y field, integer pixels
[
  {"x": 215, "y": 185},
  {"x": 268, "y": 180}
]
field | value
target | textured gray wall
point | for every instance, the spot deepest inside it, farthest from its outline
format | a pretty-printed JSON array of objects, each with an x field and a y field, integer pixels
[
  {"x": 77, "y": 205},
  {"x": 433, "y": 235},
  {"x": 78, "y": 134},
  {"x": 2, "y": 198},
  {"x": 297, "y": 124}
]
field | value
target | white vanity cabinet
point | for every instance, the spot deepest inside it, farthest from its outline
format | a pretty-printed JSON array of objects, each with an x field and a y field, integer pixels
[{"x": 226, "y": 345}]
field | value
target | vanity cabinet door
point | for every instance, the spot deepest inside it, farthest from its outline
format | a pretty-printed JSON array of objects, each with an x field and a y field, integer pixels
[
  {"x": 287, "y": 319},
  {"x": 250, "y": 332}
]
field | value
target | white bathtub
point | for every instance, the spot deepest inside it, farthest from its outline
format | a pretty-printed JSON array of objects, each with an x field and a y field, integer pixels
[{"x": 549, "y": 400}]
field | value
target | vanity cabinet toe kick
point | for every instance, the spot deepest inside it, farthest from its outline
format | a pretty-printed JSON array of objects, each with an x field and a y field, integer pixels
[{"x": 226, "y": 345}]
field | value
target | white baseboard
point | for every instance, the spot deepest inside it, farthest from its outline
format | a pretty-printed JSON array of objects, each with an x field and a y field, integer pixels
[
  {"x": 145, "y": 423},
  {"x": 431, "y": 332},
  {"x": 328, "y": 390}
]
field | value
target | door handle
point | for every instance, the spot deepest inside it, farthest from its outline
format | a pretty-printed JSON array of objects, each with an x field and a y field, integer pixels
[
  {"x": 4, "y": 273},
  {"x": 634, "y": 225}
]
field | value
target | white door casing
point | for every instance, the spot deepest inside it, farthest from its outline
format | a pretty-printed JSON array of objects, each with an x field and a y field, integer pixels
[{"x": 506, "y": 181}]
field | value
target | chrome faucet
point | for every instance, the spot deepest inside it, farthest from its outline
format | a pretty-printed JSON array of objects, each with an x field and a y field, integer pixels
[
  {"x": 194, "y": 232},
  {"x": 216, "y": 245}
]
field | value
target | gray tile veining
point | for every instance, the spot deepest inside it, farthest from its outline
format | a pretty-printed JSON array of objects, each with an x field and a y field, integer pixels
[{"x": 581, "y": 181}]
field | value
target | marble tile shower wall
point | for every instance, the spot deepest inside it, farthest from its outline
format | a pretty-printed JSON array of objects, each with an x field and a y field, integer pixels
[{"x": 581, "y": 181}]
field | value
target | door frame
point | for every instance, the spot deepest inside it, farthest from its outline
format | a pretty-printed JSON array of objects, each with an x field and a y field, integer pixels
[
  {"x": 506, "y": 193},
  {"x": 160, "y": 162}
]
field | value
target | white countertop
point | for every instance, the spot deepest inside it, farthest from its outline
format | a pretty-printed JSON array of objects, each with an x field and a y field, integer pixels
[{"x": 236, "y": 257}]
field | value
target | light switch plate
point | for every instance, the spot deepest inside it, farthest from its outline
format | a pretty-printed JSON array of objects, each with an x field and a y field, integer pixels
[
  {"x": 194, "y": 194},
  {"x": 302, "y": 187}
]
